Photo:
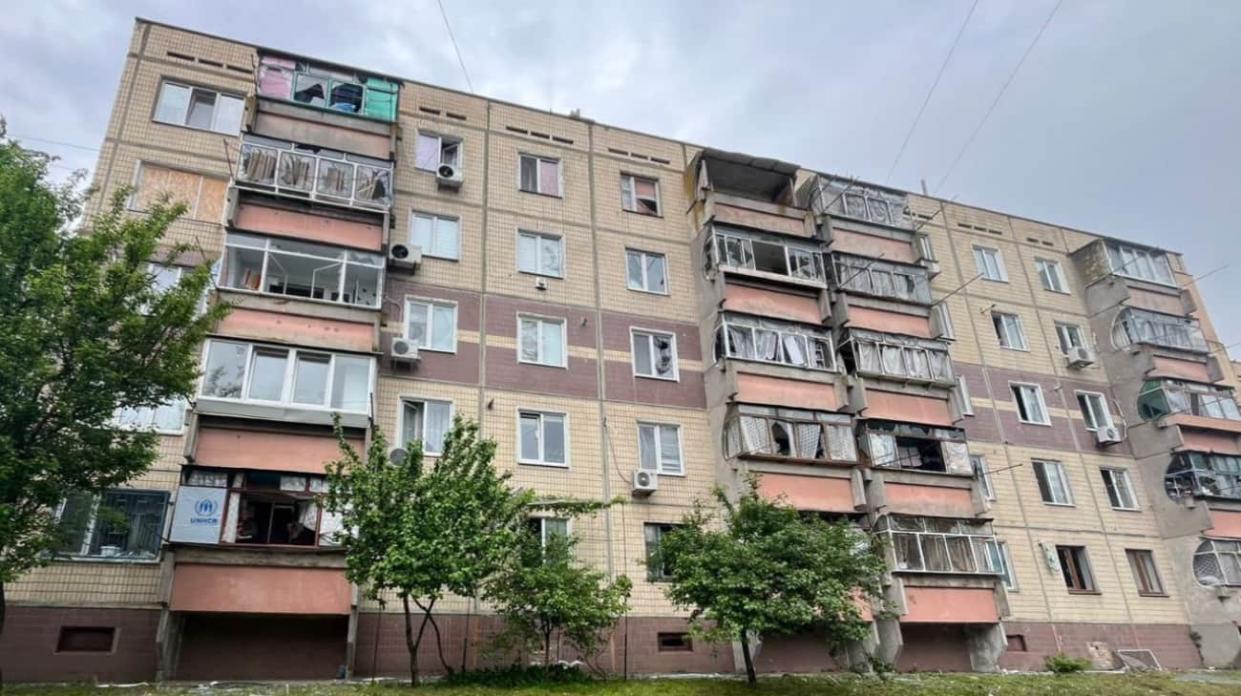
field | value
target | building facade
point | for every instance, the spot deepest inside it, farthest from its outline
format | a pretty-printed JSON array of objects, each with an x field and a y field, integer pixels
[{"x": 1039, "y": 420}]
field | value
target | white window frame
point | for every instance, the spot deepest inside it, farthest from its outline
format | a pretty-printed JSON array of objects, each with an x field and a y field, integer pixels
[
  {"x": 985, "y": 258},
  {"x": 539, "y": 237},
  {"x": 829, "y": 352},
  {"x": 1091, "y": 419},
  {"x": 344, "y": 257},
  {"x": 431, "y": 304},
  {"x": 541, "y": 320},
  {"x": 1051, "y": 274},
  {"x": 288, "y": 382},
  {"x": 649, "y": 334},
  {"x": 442, "y": 141},
  {"x": 982, "y": 472},
  {"x": 436, "y": 219},
  {"x": 1142, "y": 264},
  {"x": 1007, "y": 574},
  {"x": 538, "y": 179},
  {"x": 629, "y": 194},
  {"x": 1119, "y": 480},
  {"x": 403, "y": 401},
  {"x": 1066, "y": 488},
  {"x": 542, "y": 522},
  {"x": 215, "y": 127},
  {"x": 542, "y": 460},
  {"x": 659, "y": 446},
  {"x": 142, "y": 418},
  {"x": 961, "y": 392},
  {"x": 1006, "y": 333},
  {"x": 646, "y": 281},
  {"x": 1066, "y": 334},
  {"x": 1017, "y": 389},
  {"x": 720, "y": 236}
]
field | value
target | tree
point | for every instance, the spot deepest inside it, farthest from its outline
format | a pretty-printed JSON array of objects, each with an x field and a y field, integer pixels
[
  {"x": 757, "y": 566},
  {"x": 84, "y": 331},
  {"x": 426, "y": 532},
  {"x": 546, "y": 593}
]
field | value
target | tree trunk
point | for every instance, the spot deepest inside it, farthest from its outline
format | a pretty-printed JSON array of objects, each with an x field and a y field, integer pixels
[
  {"x": 547, "y": 647},
  {"x": 3, "y": 613},
  {"x": 750, "y": 676},
  {"x": 465, "y": 642},
  {"x": 412, "y": 643},
  {"x": 439, "y": 643}
]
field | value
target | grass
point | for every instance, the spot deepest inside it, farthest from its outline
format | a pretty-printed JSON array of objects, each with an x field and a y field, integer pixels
[{"x": 1162, "y": 684}]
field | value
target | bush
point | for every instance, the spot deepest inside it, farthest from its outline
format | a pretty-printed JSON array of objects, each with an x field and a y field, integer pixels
[
  {"x": 519, "y": 676},
  {"x": 1063, "y": 664}
]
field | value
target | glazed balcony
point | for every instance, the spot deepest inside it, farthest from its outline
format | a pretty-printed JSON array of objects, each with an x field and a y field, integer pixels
[
  {"x": 792, "y": 436},
  {"x": 1189, "y": 404},
  {"x": 1203, "y": 475},
  {"x": 881, "y": 279},
  {"x": 332, "y": 89},
  {"x": 765, "y": 257},
  {"x": 897, "y": 358},
  {"x": 333, "y": 177},
  {"x": 944, "y": 546},
  {"x": 1134, "y": 327}
]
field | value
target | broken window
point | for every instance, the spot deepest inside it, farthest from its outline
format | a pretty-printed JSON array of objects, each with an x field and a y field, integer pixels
[
  {"x": 268, "y": 508},
  {"x": 646, "y": 271},
  {"x": 167, "y": 418},
  {"x": 431, "y": 324},
  {"x": 1218, "y": 562},
  {"x": 790, "y": 433},
  {"x": 315, "y": 172},
  {"x": 1053, "y": 482},
  {"x": 990, "y": 264},
  {"x": 541, "y": 341},
  {"x": 1051, "y": 274},
  {"x": 907, "y": 446},
  {"x": 435, "y": 235},
  {"x": 1075, "y": 566},
  {"x": 640, "y": 194},
  {"x": 268, "y": 375},
  {"x": 540, "y": 253},
  {"x": 1094, "y": 409},
  {"x": 1145, "y": 574},
  {"x": 539, "y": 175},
  {"x": 869, "y": 276},
  {"x": 740, "y": 250},
  {"x": 276, "y": 266},
  {"x": 204, "y": 197},
  {"x": 195, "y": 107},
  {"x": 900, "y": 356},
  {"x": 282, "y": 78},
  {"x": 1160, "y": 398},
  {"x": 1133, "y": 325},
  {"x": 935, "y": 545},
  {"x": 658, "y": 567},
  {"x": 431, "y": 151},
  {"x": 654, "y": 354},
  {"x": 748, "y": 338},
  {"x": 1070, "y": 336},
  {"x": 1136, "y": 262},
  {"x": 1030, "y": 405},
  {"x": 1009, "y": 331},
  {"x": 1199, "y": 473},
  {"x": 659, "y": 448}
]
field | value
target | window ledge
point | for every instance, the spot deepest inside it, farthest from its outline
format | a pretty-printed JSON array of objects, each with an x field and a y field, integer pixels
[
  {"x": 559, "y": 196},
  {"x": 648, "y": 292},
  {"x": 659, "y": 216},
  {"x": 549, "y": 465},
  {"x": 105, "y": 559},
  {"x": 1026, "y": 422},
  {"x": 1121, "y": 509},
  {"x": 1063, "y": 505},
  {"x": 1163, "y": 595},
  {"x": 673, "y": 380},
  {"x": 539, "y": 364},
  {"x": 1084, "y": 592},
  {"x": 536, "y": 274}
]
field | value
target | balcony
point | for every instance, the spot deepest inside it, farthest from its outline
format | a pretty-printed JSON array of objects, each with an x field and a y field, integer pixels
[
  {"x": 329, "y": 89},
  {"x": 897, "y": 357},
  {"x": 910, "y": 447},
  {"x": 789, "y": 435},
  {"x": 1139, "y": 326},
  {"x": 881, "y": 279},
  {"x": 1203, "y": 475},
  {"x": 766, "y": 257},
  {"x": 849, "y": 199},
  {"x": 316, "y": 174},
  {"x": 937, "y": 545},
  {"x": 1173, "y": 402},
  {"x": 252, "y": 508},
  {"x": 743, "y": 337},
  {"x": 287, "y": 268}
]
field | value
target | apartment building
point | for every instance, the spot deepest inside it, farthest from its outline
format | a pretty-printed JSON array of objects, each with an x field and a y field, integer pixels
[{"x": 1038, "y": 420}]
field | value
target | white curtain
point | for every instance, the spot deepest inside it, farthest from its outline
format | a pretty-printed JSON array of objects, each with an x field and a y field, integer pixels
[{"x": 439, "y": 420}]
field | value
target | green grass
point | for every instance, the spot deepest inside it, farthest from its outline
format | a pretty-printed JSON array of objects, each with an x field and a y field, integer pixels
[{"x": 1193, "y": 684}]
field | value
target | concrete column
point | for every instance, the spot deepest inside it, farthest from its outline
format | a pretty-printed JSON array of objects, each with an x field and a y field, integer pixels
[
  {"x": 986, "y": 644},
  {"x": 890, "y": 641}
]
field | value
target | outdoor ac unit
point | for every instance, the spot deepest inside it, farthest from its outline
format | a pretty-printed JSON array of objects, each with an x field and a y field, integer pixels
[
  {"x": 404, "y": 256},
  {"x": 449, "y": 176},
  {"x": 1108, "y": 435},
  {"x": 645, "y": 482},
  {"x": 1080, "y": 356},
  {"x": 404, "y": 350}
]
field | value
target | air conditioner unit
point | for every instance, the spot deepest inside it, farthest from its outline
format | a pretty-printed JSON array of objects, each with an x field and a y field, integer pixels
[
  {"x": 1108, "y": 435},
  {"x": 404, "y": 256},
  {"x": 1080, "y": 356},
  {"x": 645, "y": 482},
  {"x": 449, "y": 176},
  {"x": 403, "y": 350}
]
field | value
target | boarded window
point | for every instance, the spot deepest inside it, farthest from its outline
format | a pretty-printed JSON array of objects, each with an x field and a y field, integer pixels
[{"x": 203, "y": 196}]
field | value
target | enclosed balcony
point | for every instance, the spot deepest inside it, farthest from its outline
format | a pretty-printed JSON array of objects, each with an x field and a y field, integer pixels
[
  {"x": 897, "y": 357},
  {"x": 252, "y": 508},
  {"x": 1135, "y": 326},
  {"x": 313, "y": 173},
  {"x": 332, "y": 89},
  {"x": 744, "y": 337},
  {"x": 850, "y": 199},
  {"x": 905, "y": 446},
  {"x": 765, "y": 257},
  {"x": 1189, "y": 403},
  {"x": 789, "y": 435},
  {"x": 936, "y": 545},
  {"x": 288, "y": 268},
  {"x": 881, "y": 279},
  {"x": 1203, "y": 475}
]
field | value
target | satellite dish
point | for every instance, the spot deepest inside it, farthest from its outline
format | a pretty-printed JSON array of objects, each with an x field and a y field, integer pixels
[{"x": 398, "y": 455}]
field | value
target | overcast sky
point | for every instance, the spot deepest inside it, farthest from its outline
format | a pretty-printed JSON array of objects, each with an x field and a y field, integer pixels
[{"x": 1124, "y": 120}]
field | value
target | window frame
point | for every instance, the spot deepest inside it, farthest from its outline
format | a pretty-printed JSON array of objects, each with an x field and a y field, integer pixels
[
  {"x": 1089, "y": 418},
  {"x": 1002, "y": 331},
  {"x": 829, "y": 348},
  {"x": 441, "y": 141},
  {"x": 1017, "y": 389},
  {"x": 541, "y": 320},
  {"x": 632, "y": 193},
  {"x": 435, "y": 218},
  {"x": 661, "y": 528},
  {"x": 659, "y": 445},
  {"x": 1146, "y": 573},
  {"x": 542, "y": 521},
  {"x": 634, "y": 332},
  {"x": 1118, "y": 484},
  {"x": 540, "y": 160},
  {"x": 288, "y": 383},
  {"x": 539, "y": 237},
  {"x": 1078, "y": 571},
  {"x": 542, "y": 460},
  {"x": 431, "y": 303},
  {"x": 1065, "y": 333},
  {"x": 642, "y": 255},
  {"x": 1008, "y": 573},
  {"x": 1051, "y": 276},
  {"x": 997, "y": 258},
  {"x": 403, "y": 401},
  {"x": 343, "y": 259},
  {"x": 193, "y": 88},
  {"x": 1115, "y": 251},
  {"x": 1039, "y": 467},
  {"x": 979, "y": 536},
  {"x": 982, "y": 472},
  {"x": 93, "y": 524},
  {"x": 147, "y": 413}
]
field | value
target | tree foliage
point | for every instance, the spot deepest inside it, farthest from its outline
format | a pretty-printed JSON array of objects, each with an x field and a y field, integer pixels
[{"x": 754, "y": 566}]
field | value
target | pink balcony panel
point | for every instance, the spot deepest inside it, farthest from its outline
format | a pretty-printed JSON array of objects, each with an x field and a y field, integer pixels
[
  {"x": 955, "y": 605},
  {"x": 1156, "y": 301},
  {"x": 259, "y": 590},
  {"x": 312, "y": 132},
  {"x": 1188, "y": 420},
  {"x": 893, "y": 250},
  {"x": 1225, "y": 524},
  {"x": 1210, "y": 441},
  {"x": 907, "y": 408},
  {"x": 889, "y": 322},
  {"x": 734, "y": 215},
  {"x": 815, "y": 493},
  {"x": 309, "y": 228},
  {"x": 935, "y": 501},
  {"x": 298, "y": 330},
  {"x": 766, "y": 303},
  {"x": 1180, "y": 369},
  {"x": 774, "y": 391},
  {"x": 268, "y": 451}
]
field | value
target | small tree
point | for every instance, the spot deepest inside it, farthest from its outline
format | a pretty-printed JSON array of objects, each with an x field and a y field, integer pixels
[
  {"x": 84, "y": 331},
  {"x": 546, "y": 594},
  {"x": 757, "y": 566}
]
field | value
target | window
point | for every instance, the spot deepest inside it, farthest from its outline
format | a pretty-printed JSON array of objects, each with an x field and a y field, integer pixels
[
  {"x": 1051, "y": 275},
  {"x": 961, "y": 395},
  {"x": 539, "y": 175},
  {"x": 1053, "y": 483},
  {"x": 747, "y": 338},
  {"x": 285, "y": 376},
  {"x": 674, "y": 642},
  {"x": 1070, "y": 336},
  {"x": 120, "y": 524},
  {"x": 431, "y": 151},
  {"x": 941, "y": 321},
  {"x": 1143, "y": 264},
  {"x": 431, "y": 324},
  {"x": 1142, "y": 563},
  {"x": 304, "y": 171},
  {"x": 1160, "y": 398},
  {"x": 659, "y": 448},
  {"x": 1001, "y": 561},
  {"x": 1008, "y": 330},
  {"x": 1208, "y": 475},
  {"x": 194, "y": 107},
  {"x": 905, "y": 357},
  {"x": 759, "y": 431},
  {"x": 86, "y": 639},
  {"x": 290, "y": 268},
  {"x": 639, "y": 194},
  {"x": 870, "y": 276},
  {"x": 547, "y": 527},
  {"x": 990, "y": 264},
  {"x": 657, "y": 567},
  {"x": 543, "y": 438},
  {"x": 541, "y": 341},
  {"x": 1218, "y": 562},
  {"x": 435, "y": 235},
  {"x": 654, "y": 354},
  {"x": 263, "y": 508},
  {"x": 204, "y": 197},
  {"x": 166, "y": 418},
  {"x": 1030, "y": 405},
  {"x": 737, "y": 250},
  {"x": 1016, "y": 642},
  {"x": 1075, "y": 566},
  {"x": 646, "y": 271},
  {"x": 426, "y": 422},
  {"x": 1094, "y": 410},
  {"x": 1133, "y": 325},
  {"x": 1119, "y": 488},
  {"x": 540, "y": 253},
  {"x": 372, "y": 97},
  {"x": 938, "y": 545},
  {"x": 983, "y": 474}
]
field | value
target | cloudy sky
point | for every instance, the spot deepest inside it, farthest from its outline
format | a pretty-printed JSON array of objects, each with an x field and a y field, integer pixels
[{"x": 1124, "y": 119}]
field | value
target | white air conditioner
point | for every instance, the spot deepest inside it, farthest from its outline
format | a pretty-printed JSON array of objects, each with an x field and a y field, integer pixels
[
  {"x": 1080, "y": 356},
  {"x": 645, "y": 482},
  {"x": 404, "y": 256},
  {"x": 1108, "y": 435},
  {"x": 403, "y": 350},
  {"x": 449, "y": 176}
]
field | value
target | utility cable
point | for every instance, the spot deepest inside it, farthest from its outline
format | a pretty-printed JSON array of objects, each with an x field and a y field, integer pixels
[{"x": 455, "y": 48}]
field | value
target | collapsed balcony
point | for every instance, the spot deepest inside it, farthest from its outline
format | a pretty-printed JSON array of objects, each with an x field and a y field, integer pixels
[
  {"x": 937, "y": 545},
  {"x": 905, "y": 446},
  {"x": 882, "y": 279},
  {"x": 1135, "y": 326},
  {"x": 1203, "y": 475},
  {"x": 743, "y": 337},
  {"x": 289, "y": 169},
  {"x": 757, "y": 255},
  {"x": 1160, "y": 398},
  {"x": 892, "y": 356},
  {"x": 326, "y": 88},
  {"x": 765, "y": 432},
  {"x": 252, "y": 508},
  {"x": 756, "y": 178}
]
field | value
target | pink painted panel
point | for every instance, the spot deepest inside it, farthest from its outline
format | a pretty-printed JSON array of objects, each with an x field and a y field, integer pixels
[
  {"x": 1181, "y": 369},
  {"x": 1156, "y": 301},
  {"x": 1188, "y": 420},
  {"x": 893, "y": 250},
  {"x": 251, "y": 449},
  {"x": 774, "y": 391},
  {"x": 766, "y": 303},
  {"x": 808, "y": 492},
  {"x": 957, "y": 605},
  {"x": 291, "y": 328},
  {"x": 729, "y": 214},
  {"x": 907, "y": 407},
  {"x": 936, "y": 501},
  {"x": 310, "y": 228},
  {"x": 323, "y": 135},
  {"x": 1209, "y": 441},
  {"x": 889, "y": 322},
  {"x": 1225, "y": 524},
  {"x": 259, "y": 590}
]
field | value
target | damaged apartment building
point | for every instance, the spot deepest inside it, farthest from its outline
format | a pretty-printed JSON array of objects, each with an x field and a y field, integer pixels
[{"x": 1039, "y": 420}]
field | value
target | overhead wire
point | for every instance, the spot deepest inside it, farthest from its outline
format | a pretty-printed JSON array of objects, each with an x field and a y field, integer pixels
[{"x": 455, "y": 47}]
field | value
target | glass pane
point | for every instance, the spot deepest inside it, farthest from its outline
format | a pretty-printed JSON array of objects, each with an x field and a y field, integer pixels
[
  {"x": 647, "y": 448},
  {"x": 267, "y": 374},
  {"x": 642, "y": 354},
  {"x": 527, "y": 253},
  {"x": 553, "y": 343},
  {"x": 936, "y": 550},
  {"x": 309, "y": 89},
  {"x": 656, "y": 273},
  {"x": 411, "y": 422},
  {"x": 633, "y": 268},
  {"x": 444, "y": 327},
  {"x": 296, "y": 171},
  {"x": 346, "y": 96},
  {"x": 549, "y": 177},
  {"x": 530, "y": 436},
  {"x": 447, "y": 236},
  {"x": 174, "y": 102},
  {"x": 257, "y": 165},
  {"x": 421, "y": 232},
  {"x": 374, "y": 185},
  {"x": 416, "y": 323},
  {"x": 361, "y": 285},
  {"x": 554, "y": 439},
  {"x": 528, "y": 336},
  {"x": 670, "y": 449},
  {"x": 351, "y": 384},
  {"x": 550, "y": 261},
  {"x": 439, "y": 420},
  {"x": 427, "y": 152},
  {"x": 310, "y": 380},
  {"x": 335, "y": 178},
  {"x": 202, "y": 107},
  {"x": 226, "y": 369},
  {"x": 529, "y": 177},
  {"x": 228, "y": 111},
  {"x": 662, "y": 351}
]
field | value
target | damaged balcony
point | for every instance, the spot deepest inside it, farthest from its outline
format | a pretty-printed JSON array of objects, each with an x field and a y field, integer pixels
[
  {"x": 792, "y": 436},
  {"x": 841, "y": 198},
  {"x": 1170, "y": 402},
  {"x": 755, "y": 339},
  {"x": 765, "y": 257},
  {"x": 1134, "y": 326},
  {"x": 897, "y": 358},
  {"x": 296, "y": 269},
  {"x": 307, "y": 172},
  {"x": 880, "y": 279},
  {"x": 1203, "y": 475},
  {"x": 755, "y": 178},
  {"x": 329, "y": 88},
  {"x": 939, "y": 545},
  {"x": 909, "y": 447}
]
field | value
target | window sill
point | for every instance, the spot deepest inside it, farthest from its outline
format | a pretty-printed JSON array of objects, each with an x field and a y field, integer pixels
[
  {"x": 658, "y": 378},
  {"x": 1063, "y": 505},
  {"x": 1159, "y": 595},
  {"x": 427, "y": 349},
  {"x": 1026, "y": 422},
  {"x": 539, "y": 364},
  {"x": 559, "y": 196},
  {"x": 547, "y": 465},
  {"x": 105, "y": 559},
  {"x": 196, "y": 128},
  {"x": 1014, "y": 349},
  {"x": 658, "y": 216},
  {"x": 1059, "y": 292},
  {"x": 647, "y": 292},
  {"x": 664, "y": 473},
  {"x": 1084, "y": 592},
  {"x": 1124, "y": 509},
  {"x": 994, "y": 280},
  {"x": 536, "y": 274}
]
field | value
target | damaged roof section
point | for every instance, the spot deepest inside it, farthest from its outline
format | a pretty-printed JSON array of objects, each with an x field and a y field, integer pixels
[{"x": 760, "y": 178}]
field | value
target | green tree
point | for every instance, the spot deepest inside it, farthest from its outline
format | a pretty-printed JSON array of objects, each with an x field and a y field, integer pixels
[
  {"x": 84, "y": 331},
  {"x": 754, "y": 566},
  {"x": 547, "y": 594},
  {"x": 423, "y": 532}
]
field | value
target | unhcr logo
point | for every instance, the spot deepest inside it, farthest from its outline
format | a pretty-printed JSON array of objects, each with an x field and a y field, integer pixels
[{"x": 204, "y": 512}]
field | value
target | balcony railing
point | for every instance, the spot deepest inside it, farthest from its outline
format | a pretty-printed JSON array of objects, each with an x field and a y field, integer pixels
[
  {"x": 789, "y": 434},
  {"x": 331, "y": 90},
  {"x": 1160, "y": 398},
  {"x": 734, "y": 249},
  {"x": 916, "y": 447},
  {"x": 881, "y": 279},
  {"x": 252, "y": 508},
  {"x": 1204, "y": 475},
  {"x": 853, "y": 200},
  {"x": 312, "y": 173},
  {"x": 1134, "y": 326},
  {"x": 742, "y": 337},
  {"x": 935, "y": 545},
  {"x": 899, "y": 357}
]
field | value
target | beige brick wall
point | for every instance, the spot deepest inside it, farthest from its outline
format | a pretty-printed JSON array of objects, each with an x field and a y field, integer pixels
[
  {"x": 576, "y": 287},
  {"x": 466, "y": 272}
]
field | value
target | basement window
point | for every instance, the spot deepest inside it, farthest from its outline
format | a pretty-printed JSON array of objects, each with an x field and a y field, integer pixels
[
  {"x": 86, "y": 639},
  {"x": 675, "y": 642}
]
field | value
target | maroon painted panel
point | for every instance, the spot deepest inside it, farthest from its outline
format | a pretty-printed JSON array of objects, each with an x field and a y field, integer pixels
[
  {"x": 502, "y": 319},
  {"x": 225, "y": 646},
  {"x": 616, "y": 333},
  {"x": 396, "y": 289},
  {"x": 461, "y": 367},
  {"x": 28, "y": 645},
  {"x": 623, "y": 385},
  {"x": 934, "y": 648},
  {"x": 580, "y": 379}
]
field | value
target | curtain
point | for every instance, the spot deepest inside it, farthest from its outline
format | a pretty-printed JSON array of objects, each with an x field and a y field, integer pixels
[
  {"x": 258, "y": 164},
  {"x": 438, "y": 422},
  {"x": 893, "y": 361},
  {"x": 741, "y": 341},
  {"x": 549, "y": 256},
  {"x": 840, "y": 443},
  {"x": 935, "y": 549},
  {"x": 795, "y": 349},
  {"x": 443, "y": 326},
  {"x": 427, "y": 153},
  {"x": 529, "y": 340},
  {"x": 329, "y": 529},
  {"x": 670, "y": 449},
  {"x": 961, "y": 552},
  {"x": 809, "y": 440},
  {"x": 647, "y": 448},
  {"x": 757, "y": 437},
  {"x": 908, "y": 551},
  {"x": 767, "y": 345},
  {"x": 549, "y": 177},
  {"x": 868, "y": 356}
]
